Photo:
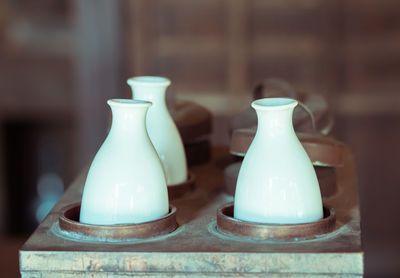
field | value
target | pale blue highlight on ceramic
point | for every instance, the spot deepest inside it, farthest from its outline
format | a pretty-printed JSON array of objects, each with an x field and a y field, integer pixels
[
  {"x": 126, "y": 182},
  {"x": 161, "y": 127},
  {"x": 277, "y": 182}
]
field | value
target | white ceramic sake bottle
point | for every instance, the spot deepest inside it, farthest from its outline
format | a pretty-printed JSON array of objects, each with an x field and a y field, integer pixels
[
  {"x": 277, "y": 182},
  {"x": 125, "y": 182},
  {"x": 162, "y": 130}
]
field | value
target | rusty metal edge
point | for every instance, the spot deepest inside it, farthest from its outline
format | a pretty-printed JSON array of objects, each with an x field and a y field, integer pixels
[
  {"x": 68, "y": 222},
  {"x": 283, "y": 232}
]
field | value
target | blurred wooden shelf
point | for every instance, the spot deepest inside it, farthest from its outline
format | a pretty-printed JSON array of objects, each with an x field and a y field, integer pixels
[
  {"x": 182, "y": 46},
  {"x": 284, "y": 46}
]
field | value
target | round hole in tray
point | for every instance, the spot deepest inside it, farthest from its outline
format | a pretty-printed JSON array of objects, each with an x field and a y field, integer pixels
[
  {"x": 69, "y": 222},
  {"x": 227, "y": 224}
]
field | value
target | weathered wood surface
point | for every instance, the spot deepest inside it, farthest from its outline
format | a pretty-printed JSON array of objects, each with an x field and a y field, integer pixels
[{"x": 196, "y": 247}]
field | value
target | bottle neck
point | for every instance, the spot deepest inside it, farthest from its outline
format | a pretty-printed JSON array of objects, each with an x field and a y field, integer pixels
[
  {"x": 155, "y": 94},
  {"x": 275, "y": 123},
  {"x": 129, "y": 120}
]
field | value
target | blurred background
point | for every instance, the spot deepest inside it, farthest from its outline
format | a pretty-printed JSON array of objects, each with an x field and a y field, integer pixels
[{"x": 60, "y": 60}]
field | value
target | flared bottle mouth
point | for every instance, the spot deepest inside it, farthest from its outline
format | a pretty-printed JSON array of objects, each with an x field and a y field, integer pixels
[
  {"x": 149, "y": 81},
  {"x": 128, "y": 103},
  {"x": 274, "y": 103}
]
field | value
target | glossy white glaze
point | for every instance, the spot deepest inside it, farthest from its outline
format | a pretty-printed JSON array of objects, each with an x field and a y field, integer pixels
[
  {"x": 125, "y": 182},
  {"x": 277, "y": 182},
  {"x": 162, "y": 130}
]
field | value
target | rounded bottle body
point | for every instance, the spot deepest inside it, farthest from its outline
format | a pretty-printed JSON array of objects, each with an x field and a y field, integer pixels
[
  {"x": 277, "y": 182},
  {"x": 125, "y": 182},
  {"x": 161, "y": 127}
]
